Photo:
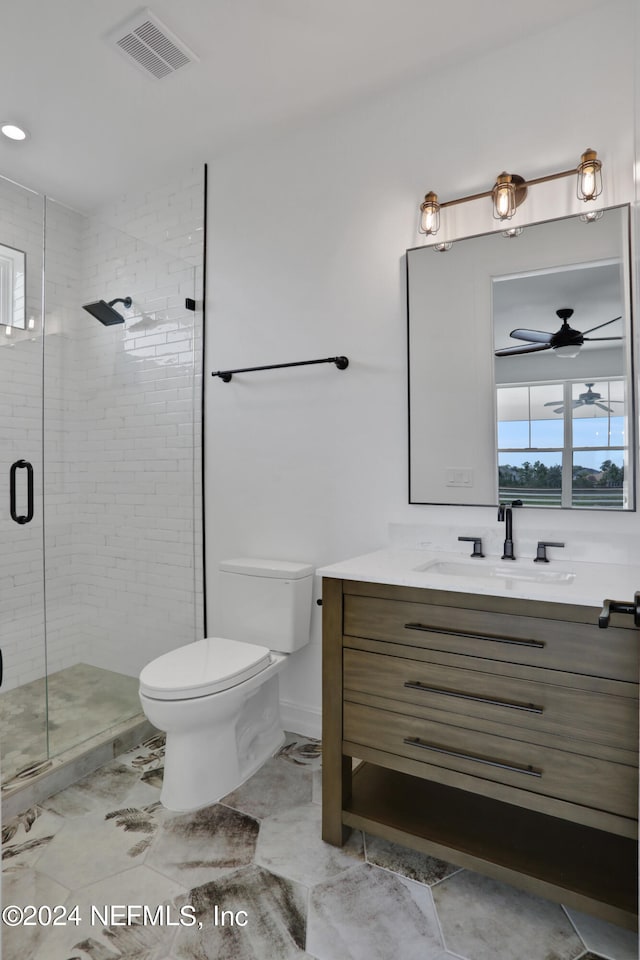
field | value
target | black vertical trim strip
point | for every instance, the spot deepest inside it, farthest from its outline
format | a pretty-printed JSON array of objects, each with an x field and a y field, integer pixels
[
  {"x": 202, "y": 392},
  {"x": 43, "y": 467}
]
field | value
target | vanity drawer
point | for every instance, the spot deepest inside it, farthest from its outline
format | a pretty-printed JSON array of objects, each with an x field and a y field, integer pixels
[
  {"x": 573, "y": 777},
  {"x": 555, "y": 644},
  {"x": 526, "y": 708}
]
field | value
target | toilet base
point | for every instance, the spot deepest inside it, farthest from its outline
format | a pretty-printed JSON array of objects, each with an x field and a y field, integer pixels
[{"x": 204, "y": 764}]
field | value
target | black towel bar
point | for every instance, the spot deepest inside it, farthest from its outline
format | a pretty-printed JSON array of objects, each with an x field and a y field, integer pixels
[{"x": 225, "y": 375}]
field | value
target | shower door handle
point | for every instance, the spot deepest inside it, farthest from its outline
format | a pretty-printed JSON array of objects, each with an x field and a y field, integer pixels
[{"x": 28, "y": 516}]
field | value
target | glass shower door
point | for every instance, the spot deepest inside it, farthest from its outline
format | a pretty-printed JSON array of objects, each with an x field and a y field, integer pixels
[{"x": 23, "y": 711}]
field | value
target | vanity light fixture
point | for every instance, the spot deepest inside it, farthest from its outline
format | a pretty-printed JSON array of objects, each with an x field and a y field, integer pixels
[
  {"x": 430, "y": 214},
  {"x": 589, "y": 176},
  {"x": 510, "y": 189},
  {"x": 508, "y": 193}
]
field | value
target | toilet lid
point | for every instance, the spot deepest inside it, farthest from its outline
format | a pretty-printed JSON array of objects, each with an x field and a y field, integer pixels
[{"x": 200, "y": 668}]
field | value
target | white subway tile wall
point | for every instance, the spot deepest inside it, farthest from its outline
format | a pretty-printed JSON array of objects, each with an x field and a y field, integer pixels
[{"x": 122, "y": 458}]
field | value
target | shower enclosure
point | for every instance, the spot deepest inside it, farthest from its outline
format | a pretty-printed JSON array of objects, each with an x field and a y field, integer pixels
[{"x": 100, "y": 460}]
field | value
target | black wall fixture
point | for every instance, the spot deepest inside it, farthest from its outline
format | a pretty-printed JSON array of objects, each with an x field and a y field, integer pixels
[
  {"x": 105, "y": 313},
  {"x": 225, "y": 375}
]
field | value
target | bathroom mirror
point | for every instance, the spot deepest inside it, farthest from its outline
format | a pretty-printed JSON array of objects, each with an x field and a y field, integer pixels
[
  {"x": 12, "y": 287},
  {"x": 543, "y": 422}
]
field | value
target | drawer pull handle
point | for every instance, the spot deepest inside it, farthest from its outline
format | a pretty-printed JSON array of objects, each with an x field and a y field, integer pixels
[
  {"x": 527, "y": 707},
  {"x": 529, "y": 771},
  {"x": 537, "y": 644}
]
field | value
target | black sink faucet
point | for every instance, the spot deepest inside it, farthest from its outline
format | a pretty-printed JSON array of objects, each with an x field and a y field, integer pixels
[{"x": 505, "y": 513}]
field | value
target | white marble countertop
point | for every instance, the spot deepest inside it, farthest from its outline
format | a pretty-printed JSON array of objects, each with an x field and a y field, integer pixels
[{"x": 587, "y": 584}]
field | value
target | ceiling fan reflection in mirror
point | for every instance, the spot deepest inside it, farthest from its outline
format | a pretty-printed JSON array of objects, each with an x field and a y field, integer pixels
[
  {"x": 588, "y": 399},
  {"x": 566, "y": 341}
]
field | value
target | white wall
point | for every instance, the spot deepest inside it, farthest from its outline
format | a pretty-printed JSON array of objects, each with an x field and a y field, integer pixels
[{"x": 307, "y": 235}]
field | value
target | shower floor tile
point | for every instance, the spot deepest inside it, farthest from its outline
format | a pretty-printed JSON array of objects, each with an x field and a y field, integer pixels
[
  {"x": 246, "y": 879},
  {"x": 82, "y": 702}
]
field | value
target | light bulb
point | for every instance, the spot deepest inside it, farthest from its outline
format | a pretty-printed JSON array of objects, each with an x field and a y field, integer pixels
[
  {"x": 588, "y": 181},
  {"x": 502, "y": 204},
  {"x": 428, "y": 221}
]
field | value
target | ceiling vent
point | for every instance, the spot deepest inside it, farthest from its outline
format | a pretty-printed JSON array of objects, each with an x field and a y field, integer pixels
[{"x": 153, "y": 48}]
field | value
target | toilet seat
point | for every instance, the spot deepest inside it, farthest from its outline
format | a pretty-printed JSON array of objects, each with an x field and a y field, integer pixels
[{"x": 202, "y": 668}]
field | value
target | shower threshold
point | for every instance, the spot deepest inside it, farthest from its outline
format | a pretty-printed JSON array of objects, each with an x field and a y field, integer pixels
[
  {"x": 49, "y": 776},
  {"x": 93, "y": 715}
]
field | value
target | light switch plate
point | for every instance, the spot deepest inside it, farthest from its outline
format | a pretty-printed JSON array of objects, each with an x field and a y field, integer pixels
[{"x": 456, "y": 477}]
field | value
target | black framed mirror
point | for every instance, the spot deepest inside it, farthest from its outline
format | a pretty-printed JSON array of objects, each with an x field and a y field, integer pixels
[{"x": 545, "y": 421}]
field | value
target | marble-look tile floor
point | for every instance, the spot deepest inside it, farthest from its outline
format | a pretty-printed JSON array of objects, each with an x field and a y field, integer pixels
[
  {"x": 250, "y": 879},
  {"x": 61, "y": 711}
]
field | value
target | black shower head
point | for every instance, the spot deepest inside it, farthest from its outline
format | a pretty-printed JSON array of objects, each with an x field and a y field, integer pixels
[{"x": 104, "y": 311}]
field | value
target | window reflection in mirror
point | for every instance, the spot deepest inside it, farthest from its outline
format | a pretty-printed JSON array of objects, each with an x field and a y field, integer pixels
[
  {"x": 563, "y": 444},
  {"x": 12, "y": 287}
]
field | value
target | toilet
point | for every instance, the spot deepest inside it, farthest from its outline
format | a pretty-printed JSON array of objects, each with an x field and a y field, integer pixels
[{"x": 217, "y": 699}]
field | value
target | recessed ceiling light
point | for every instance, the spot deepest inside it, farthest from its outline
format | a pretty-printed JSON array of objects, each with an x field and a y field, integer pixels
[{"x": 14, "y": 132}]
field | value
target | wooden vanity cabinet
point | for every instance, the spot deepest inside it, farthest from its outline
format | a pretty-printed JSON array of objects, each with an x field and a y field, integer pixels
[{"x": 497, "y": 734}]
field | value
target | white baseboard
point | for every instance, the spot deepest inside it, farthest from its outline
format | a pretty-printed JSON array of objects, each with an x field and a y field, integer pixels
[{"x": 299, "y": 719}]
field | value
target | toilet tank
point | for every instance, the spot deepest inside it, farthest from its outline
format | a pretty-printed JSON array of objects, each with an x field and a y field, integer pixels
[{"x": 267, "y": 602}]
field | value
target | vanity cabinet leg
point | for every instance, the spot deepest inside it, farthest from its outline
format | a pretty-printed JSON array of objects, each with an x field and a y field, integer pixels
[
  {"x": 336, "y": 769},
  {"x": 336, "y": 792}
]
